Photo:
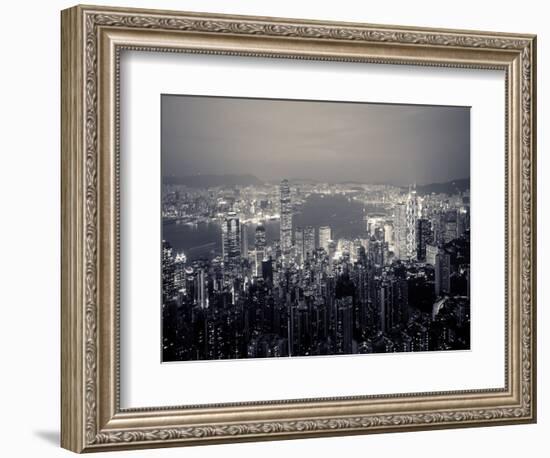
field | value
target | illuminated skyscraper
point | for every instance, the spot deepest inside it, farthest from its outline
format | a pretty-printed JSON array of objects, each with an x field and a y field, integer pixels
[
  {"x": 168, "y": 273},
  {"x": 259, "y": 245},
  {"x": 299, "y": 244},
  {"x": 309, "y": 241},
  {"x": 286, "y": 219},
  {"x": 244, "y": 241},
  {"x": 413, "y": 210},
  {"x": 200, "y": 290},
  {"x": 231, "y": 242},
  {"x": 431, "y": 254},
  {"x": 325, "y": 236},
  {"x": 389, "y": 235},
  {"x": 179, "y": 270},
  {"x": 400, "y": 232}
]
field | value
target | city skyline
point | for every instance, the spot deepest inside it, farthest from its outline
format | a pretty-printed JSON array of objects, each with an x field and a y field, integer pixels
[
  {"x": 400, "y": 284},
  {"x": 315, "y": 140},
  {"x": 334, "y": 266}
]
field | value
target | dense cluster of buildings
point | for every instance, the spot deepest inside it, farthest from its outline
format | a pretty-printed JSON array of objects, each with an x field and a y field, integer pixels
[{"x": 401, "y": 285}]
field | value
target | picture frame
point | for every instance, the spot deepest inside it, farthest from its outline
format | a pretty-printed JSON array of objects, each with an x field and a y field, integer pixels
[{"x": 92, "y": 40}]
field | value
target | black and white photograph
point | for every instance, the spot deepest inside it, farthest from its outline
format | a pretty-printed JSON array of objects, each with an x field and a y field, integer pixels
[{"x": 298, "y": 228}]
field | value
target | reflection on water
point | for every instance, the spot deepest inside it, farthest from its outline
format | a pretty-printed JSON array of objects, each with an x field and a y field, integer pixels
[{"x": 343, "y": 215}]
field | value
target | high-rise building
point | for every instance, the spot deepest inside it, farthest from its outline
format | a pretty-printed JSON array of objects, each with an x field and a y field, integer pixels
[
  {"x": 231, "y": 243},
  {"x": 431, "y": 254},
  {"x": 389, "y": 235},
  {"x": 451, "y": 226},
  {"x": 267, "y": 270},
  {"x": 413, "y": 211},
  {"x": 377, "y": 252},
  {"x": 400, "y": 231},
  {"x": 463, "y": 220},
  {"x": 442, "y": 273},
  {"x": 309, "y": 241},
  {"x": 259, "y": 248},
  {"x": 423, "y": 237},
  {"x": 299, "y": 244},
  {"x": 374, "y": 222},
  {"x": 286, "y": 219},
  {"x": 344, "y": 325},
  {"x": 384, "y": 305},
  {"x": 392, "y": 303},
  {"x": 200, "y": 290},
  {"x": 356, "y": 250},
  {"x": 168, "y": 273},
  {"x": 438, "y": 227},
  {"x": 325, "y": 236},
  {"x": 331, "y": 249},
  {"x": 244, "y": 241},
  {"x": 179, "y": 271}
]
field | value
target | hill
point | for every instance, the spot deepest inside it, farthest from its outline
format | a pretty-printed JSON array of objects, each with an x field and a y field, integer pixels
[{"x": 210, "y": 181}]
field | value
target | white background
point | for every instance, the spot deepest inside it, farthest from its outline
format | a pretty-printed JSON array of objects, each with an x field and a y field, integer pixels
[
  {"x": 145, "y": 76},
  {"x": 29, "y": 242}
]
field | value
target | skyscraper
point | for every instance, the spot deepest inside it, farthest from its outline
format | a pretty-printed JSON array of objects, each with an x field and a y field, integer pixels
[
  {"x": 325, "y": 236},
  {"x": 286, "y": 219},
  {"x": 299, "y": 244},
  {"x": 309, "y": 241},
  {"x": 231, "y": 242},
  {"x": 400, "y": 232},
  {"x": 377, "y": 252},
  {"x": 413, "y": 210},
  {"x": 389, "y": 235},
  {"x": 259, "y": 245},
  {"x": 344, "y": 325},
  {"x": 244, "y": 241},
  {"x": 451, "y": 227},
  {"x": 331, "y": 249},
  {"x": 442, "y": 273},
  {"x": 200, "y": 290},
  {"x": 423, "y": 237},
  {"x": 179, "y": 271},
  {"x": 168, "y": 272},
  {"x": 431, "y": 254}
]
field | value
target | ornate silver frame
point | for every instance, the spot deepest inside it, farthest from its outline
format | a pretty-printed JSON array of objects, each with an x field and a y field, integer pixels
[{"x": 92, "y": 38}]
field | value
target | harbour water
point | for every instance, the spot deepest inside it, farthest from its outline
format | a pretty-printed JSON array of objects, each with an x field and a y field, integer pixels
[{"x": 344, "y": 215}]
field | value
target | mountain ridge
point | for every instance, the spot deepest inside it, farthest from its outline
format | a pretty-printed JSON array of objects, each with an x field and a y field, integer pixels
[
  {"x": 208, "y": 181},
  {"x": 248, "y": 179}
]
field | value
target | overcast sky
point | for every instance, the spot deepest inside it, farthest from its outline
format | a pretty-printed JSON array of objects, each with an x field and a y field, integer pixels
[{"x": 326, "y": 141}]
